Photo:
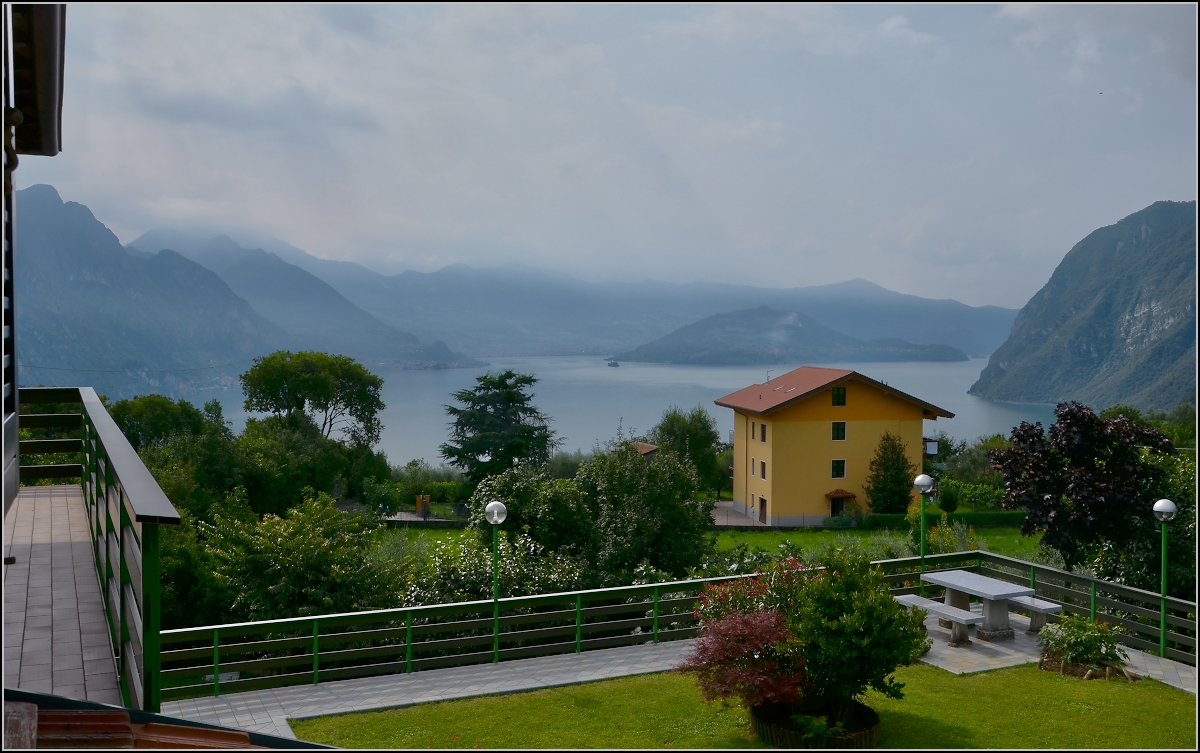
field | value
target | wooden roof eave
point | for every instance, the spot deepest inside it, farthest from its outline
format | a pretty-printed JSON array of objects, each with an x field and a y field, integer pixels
[{"x": 928, "y": 410}]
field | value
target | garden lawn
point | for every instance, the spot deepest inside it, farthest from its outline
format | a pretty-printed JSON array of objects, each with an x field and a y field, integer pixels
[
  {"x": 1006, "y": 541},
  {"x": 1019, "y": 707}
]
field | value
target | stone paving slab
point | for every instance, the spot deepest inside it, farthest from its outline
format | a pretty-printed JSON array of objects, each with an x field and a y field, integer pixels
[
  {"x": 55, "y": 636},
  {"x": 981, "y": 656},
  {"x": 268, "y": 711}
]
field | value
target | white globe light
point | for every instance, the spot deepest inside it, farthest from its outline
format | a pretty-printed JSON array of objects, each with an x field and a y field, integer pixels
[
  {"x": 1164, "y": 510},
  {"x": 923, "y": 483},
  {"x": 495, "y": 512}
]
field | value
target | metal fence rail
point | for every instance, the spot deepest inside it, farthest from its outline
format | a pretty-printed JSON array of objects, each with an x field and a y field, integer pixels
[
  {"x": 125, "y": 507},
  {"x": 274, "y": 653}
]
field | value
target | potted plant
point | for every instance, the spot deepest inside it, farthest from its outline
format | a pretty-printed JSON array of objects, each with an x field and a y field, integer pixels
[{"x": 799, "y": 644}]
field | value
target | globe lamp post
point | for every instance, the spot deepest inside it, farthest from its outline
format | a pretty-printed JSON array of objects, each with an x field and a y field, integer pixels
[
  {"x": 495, "y": 512},
  {"x": 1164, "y": 510},
  {"x": 924, "y": 484}
]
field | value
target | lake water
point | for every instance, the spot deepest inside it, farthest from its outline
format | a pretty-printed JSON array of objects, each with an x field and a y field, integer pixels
[{"x": 589, "y": 400}]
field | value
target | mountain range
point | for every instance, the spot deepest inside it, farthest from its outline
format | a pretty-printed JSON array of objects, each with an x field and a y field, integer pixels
[
  {"x": 765, "y": 336},
  {"x": 90, "y": 311},
  {"x": 516, "y": 310},
  {"x": 1116, "y": 322}
]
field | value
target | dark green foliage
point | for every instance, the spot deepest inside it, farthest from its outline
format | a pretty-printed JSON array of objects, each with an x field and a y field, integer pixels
[
  {"x": 1179, "y": 425},
  {"x": 192, "y": 594},
  {"x": 1136, "y": 559},
  {"x": 460, "y": 569},
  {"x": 693, "y": 435},
  {"x": 853, "y": 632},
  {"x": 150, "y": 419},
  {"x": 890, "y": 481},
  {"x": 566, "y": 464},
  {"x": 626, "y": 517},
  {"x": 948, "y": 497},
  {"x": 1116, "y": 322},
  {"x": 972, "y": 463},
  {"x": 644, "y": 512},
  {"x": 997, "y": 519},
  {"x": 445, "y": 486},
  {"x": 281, "y": 455},
  {"x": 763, "y": 335},
  {"x": 1086, "y": 482},
  {"x": 313, "y": 560},
  {"x": 336, "y": 390},
  {"x": 553, "y": 512},
  {"x": 497, "y": 427}
]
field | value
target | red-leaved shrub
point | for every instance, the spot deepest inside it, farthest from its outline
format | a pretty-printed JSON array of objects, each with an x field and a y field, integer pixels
[{"x": 744, "y": 656}]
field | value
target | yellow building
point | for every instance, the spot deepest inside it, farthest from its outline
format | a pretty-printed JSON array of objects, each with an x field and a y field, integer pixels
[{"x": 802, "y": 442}]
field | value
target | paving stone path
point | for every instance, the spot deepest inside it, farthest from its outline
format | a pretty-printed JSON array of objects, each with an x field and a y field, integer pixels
[{"x": 267, "y": 711}]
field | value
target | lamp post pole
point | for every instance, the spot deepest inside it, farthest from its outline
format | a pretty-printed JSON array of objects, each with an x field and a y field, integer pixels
[
  {"x": 495, "y": 512},
  {"x": 924, "y": 484},
  {"x": 1164, "y": 510}
]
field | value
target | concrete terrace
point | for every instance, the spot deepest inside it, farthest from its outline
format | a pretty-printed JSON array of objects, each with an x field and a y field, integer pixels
[{"x": 55, "y": 633}]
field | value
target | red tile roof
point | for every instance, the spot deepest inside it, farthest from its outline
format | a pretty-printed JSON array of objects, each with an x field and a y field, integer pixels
[{"x": 768, "y": 397}]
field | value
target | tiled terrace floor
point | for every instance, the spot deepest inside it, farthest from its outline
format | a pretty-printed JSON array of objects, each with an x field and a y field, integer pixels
[
  {"x": 55, "y": 632},
  {"x": 981, "y": 656},
  {"x": 268, "y": 710}
]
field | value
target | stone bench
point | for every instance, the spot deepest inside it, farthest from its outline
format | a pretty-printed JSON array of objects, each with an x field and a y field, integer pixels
[
  {"x": 960, "y": 618},
  {"x": 1037, "y": 608}
]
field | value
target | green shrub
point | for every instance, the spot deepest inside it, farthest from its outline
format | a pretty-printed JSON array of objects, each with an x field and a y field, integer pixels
[
  {"x": 1075, "y": 639},
  {"x": 948, "y": 496},
  {"x": 838, "y": 521}
]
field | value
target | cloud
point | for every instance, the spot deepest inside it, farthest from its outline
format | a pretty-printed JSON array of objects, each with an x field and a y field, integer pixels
[{"x": 774, "y": 145}]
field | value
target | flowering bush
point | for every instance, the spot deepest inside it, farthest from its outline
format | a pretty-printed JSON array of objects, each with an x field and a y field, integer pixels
[
  {"x": 841, "y": 634},
  {"x": 1077, "y": 640}
]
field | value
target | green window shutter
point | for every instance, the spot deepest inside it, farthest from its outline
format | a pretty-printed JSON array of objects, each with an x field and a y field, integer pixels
[
  {"x": 839, "y": 469},
  {"x": 839, "y": 431},
  {"x": 839, "y": 395}
]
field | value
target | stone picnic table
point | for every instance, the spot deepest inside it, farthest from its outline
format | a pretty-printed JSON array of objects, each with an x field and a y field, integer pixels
[{"x": 960, "y": 585}]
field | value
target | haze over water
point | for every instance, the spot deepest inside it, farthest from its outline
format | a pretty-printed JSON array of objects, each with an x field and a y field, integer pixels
[{"x": 588, "y": 400}]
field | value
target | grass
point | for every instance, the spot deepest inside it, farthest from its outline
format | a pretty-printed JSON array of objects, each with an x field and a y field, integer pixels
[
  {"x": 1006, "y": 541},
  {"x": 1019, "y": 707}
]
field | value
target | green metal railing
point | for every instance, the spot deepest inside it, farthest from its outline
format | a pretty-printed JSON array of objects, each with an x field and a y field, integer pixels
[
  {"x": 254, "y": 655},
  {"x": 125, "y": 507}
]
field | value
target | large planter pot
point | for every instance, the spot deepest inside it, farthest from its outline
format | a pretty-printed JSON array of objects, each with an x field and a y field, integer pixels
[{"x": 773, "y": 724}]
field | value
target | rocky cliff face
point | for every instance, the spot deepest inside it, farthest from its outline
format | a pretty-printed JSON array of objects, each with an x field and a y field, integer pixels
[{"x": 1116, "y": 323}]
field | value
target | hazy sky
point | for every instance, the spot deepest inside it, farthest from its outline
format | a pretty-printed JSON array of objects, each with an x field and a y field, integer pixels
[{"x": 952, "y": 152}]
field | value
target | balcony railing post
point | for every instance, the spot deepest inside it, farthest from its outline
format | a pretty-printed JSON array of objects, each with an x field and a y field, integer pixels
[
  {"x": 656, "y": 614},
  {"x": 578, "y": 622},
  {"x": 1093, "y": 600},
  {"x": 316, "y": 650},
  {"x": 408, "y": 642},
  {"x": 151, "y": 618},
  {"x": 216, "y": 662}
]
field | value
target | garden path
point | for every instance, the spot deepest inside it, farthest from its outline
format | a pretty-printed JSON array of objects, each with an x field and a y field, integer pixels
[{"x": 267, "y": 711}]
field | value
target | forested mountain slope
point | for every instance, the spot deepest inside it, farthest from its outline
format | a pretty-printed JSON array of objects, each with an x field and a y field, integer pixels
[
  {"x": 766, "y": 336},
  {"x": 1116, "y": 323}
]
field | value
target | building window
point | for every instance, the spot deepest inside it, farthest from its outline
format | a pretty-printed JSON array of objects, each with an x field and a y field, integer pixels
[
  {"x": 839, "y": 395},
  {"x": 839, "y": 469},
  {"x": 763, "y": 467},
  {"x": 839, "y": 431},
  {"x": 837, "y": 506},
  {"x": 752, "y": 464},
  {"x": 752, "y": 430},
  {"x": 763, "y": 432}
]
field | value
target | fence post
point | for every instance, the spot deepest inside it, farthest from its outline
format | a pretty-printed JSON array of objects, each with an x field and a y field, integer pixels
[
  {"x": 216, "y": 662},
  {"x": 408, "y": 642},
  {"x": 1093, "y": 600},
  {"x": 1032, "y": 578},
  {"x": 316, "y": 651},
  {"x": 656, "y": 614},
  {"x": 578, "y": 621}
]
